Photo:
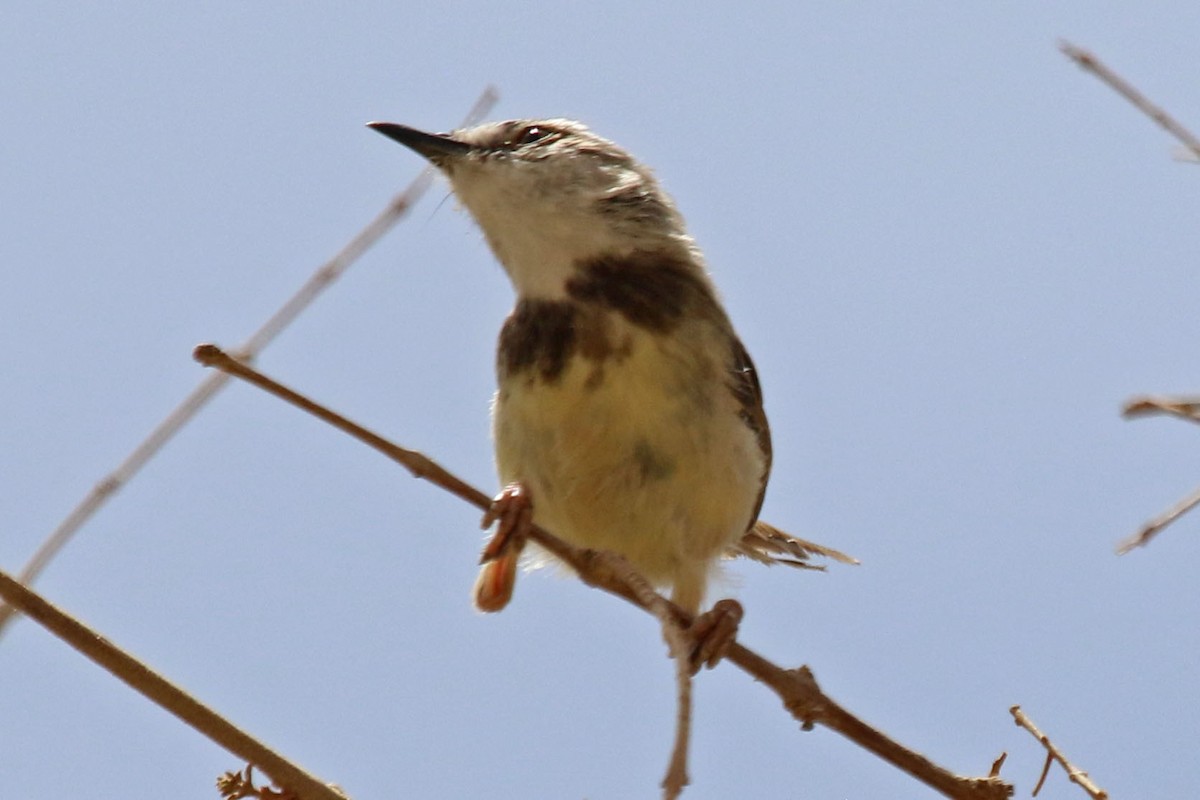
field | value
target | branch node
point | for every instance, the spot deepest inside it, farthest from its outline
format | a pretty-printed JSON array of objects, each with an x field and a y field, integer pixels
[{"x": 804, "y": 697}]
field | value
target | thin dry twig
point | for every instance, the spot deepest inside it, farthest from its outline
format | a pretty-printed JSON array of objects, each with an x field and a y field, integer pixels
[
  {"x": 1154, "y": 527},
  {"x": 1186, "y": 408},
  {"x": 1076, "y": 775},
  {"x": 159, "y": 690},
  {"x": 797, "y": 688},
  {"x": 328, "y": 272},
  {"x": 1094, "y": 65}
]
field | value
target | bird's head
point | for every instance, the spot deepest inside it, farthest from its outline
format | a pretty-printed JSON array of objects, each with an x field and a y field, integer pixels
[{"x": 549, "y": 194}]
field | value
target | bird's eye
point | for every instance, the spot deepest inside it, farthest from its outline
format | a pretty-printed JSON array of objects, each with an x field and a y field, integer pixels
[{"x": 530, "y": 134}]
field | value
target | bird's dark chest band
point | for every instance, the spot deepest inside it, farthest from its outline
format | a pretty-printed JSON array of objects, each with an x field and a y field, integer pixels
[
  {"x": 649, "y": 290},
  {"x": 540, "y": 338}
]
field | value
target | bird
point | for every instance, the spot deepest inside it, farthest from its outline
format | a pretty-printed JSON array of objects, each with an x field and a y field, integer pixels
[{"x": 628, "y": 415}]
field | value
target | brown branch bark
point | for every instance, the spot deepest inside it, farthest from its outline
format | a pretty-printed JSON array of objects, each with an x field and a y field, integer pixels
[
  {"x": 162, "y": 692},
  {"x": 797, "y": 688}
]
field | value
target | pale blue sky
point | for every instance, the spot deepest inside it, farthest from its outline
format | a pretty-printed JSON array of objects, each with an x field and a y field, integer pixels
[{"x": 952, "y": 253}]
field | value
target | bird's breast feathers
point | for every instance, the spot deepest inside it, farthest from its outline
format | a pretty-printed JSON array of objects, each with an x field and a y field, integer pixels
[{"x": 629, "y": 438}]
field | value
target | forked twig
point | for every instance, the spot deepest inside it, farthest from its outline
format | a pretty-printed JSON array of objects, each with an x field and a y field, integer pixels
[
  {"x": 159, "y": 690},
  {"x": 1186, "y": 408},
  {"x": 1076, "y": 775},
  {"x": 396, "y": 210},
  {"x": 797, "y": 688},
  {"x": 1095, "y": 66}
]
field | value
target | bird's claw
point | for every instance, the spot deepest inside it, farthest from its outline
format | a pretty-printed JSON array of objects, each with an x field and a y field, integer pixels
[
  {"x": 713, "y": 632},
  {"x": 512, "y": 509}
]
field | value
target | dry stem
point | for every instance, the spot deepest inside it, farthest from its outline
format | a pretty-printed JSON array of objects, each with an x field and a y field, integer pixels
[
  {"x": 159, "y": 690},
  {"x": 796, "y": 687},
  {"x": 1076, "y": 775},
  {"x": 1154, "y": 526},
  {"x": 1094, "y": 65},
  {"x": 1187, "y": 408}
]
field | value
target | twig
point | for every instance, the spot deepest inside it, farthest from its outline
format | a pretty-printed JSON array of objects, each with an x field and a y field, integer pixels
[
  {"x": 797, "y": 688},
  {"x": 1154, "y": 526},
  {"x": 1187, "y": 408},
  {"x": 1076, "y": 775},
  {"x": 1092, "y": 64},
  {"x": 183, "y": 413},
  {"x": 159, "y": 690}
]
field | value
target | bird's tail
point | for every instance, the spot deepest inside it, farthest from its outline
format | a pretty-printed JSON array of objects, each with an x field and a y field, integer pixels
[{"x": 768, "y": 545}]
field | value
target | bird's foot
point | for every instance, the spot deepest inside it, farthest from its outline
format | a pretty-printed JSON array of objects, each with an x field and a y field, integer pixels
[
  {"x": 512, "y": 510},
  {"x": 713, "y": 632}
]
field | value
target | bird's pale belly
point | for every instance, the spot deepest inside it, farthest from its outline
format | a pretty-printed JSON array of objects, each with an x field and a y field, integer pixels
[{"x": 634, "y": 463}]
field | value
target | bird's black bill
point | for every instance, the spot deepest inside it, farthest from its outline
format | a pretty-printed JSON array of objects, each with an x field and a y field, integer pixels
[{"x": 434, "y": 146}]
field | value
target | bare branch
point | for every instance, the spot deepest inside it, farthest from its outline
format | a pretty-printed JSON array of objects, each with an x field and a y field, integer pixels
[
  {"x": 162, "y": 692},
  {"x": 1076, "y": 775},
  {"x": 396, "y": 210},
  {"x": 797, "y": 688},
  {"x": 1092, "y": 64}
]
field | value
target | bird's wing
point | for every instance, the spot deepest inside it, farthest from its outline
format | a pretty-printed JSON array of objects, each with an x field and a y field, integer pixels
[
  {"x": 743, "y": 381},
  {"x": 764, "y": 542}
]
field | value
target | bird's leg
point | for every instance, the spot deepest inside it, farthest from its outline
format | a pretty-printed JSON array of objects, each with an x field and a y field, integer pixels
[
  {"x": 713, "y": 632},
  {"x": 512, "y": 511}
]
